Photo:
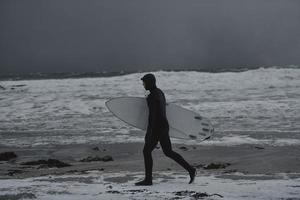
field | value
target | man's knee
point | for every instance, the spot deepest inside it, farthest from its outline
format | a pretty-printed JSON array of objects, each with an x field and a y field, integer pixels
[
  {"x": 147, "y": 150},
  {"x": 168, "y": 152}
]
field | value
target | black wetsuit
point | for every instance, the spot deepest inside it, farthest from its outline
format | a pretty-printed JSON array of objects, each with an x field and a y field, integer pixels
[{"x": 158, "y": 131}]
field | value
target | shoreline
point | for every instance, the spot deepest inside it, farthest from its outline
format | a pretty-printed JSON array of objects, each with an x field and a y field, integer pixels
[
  {"x": 232, "y": 172},
  {"x": 246, "y": 159}
]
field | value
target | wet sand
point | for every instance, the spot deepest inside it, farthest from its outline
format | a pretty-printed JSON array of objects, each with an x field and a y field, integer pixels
[{"x": 246, "y": 159}]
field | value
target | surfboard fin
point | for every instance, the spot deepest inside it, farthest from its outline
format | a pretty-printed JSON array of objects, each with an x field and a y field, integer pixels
[
  {"x": 204, "y": 124},
  {"x": 205, "y": 129},
  {"x": 198, "y": 117},
  {"x": 193, "y": 137},
  {"x": 207, "y": 138}
]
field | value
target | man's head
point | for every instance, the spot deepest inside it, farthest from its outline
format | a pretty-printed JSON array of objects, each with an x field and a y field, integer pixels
[{"x": 149, "y": 81}]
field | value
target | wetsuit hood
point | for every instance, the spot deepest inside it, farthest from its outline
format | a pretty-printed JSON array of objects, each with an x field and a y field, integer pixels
[{"x": 150, "y": 81}]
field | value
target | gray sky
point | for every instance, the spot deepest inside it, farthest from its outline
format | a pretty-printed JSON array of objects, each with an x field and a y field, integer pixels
[{"x": 96, "y": 35}]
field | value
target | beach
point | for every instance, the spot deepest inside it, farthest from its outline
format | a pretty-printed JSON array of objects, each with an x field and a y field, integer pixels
[
  {"x": 251, "y": 164},
  {"x": 248, "y": 159},
  {"x": 59, "y": 141}
]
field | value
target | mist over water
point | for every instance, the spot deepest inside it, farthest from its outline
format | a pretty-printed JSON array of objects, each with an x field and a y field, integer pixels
[{"x": 113, "y": 35}]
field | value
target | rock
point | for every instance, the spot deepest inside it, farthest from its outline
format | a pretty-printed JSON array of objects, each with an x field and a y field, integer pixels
[
  {"x": 134, "y": 191},
  {"x": 47, "y": 163},
  {"x": 43, "y": 166},
  {"x": 107, "y": 158},
  {"x": 5, "y": 156},
  {"x": 257, "y": 147},
  {"x": 216, "y": 166},
  {"x": 2, "y": 88},
  {"x": 195, "y": 195},
  {"x": 212, "y": 165},
  {"x": 109, "y": 187},
  {"x": 113, "y": 191},
  {"x": 230, "y": 171},
  {"x": 183, "y": 193},
  {"x": 56, "y": 163},
  {"x": 91, "y": 159},
  {"x": 198, "y": 195},
  {"x": 14, "y": 171},
  {"x": 125, "y": 191},
  {"x": 18, "y": 196},
  {"x": 96, "y": 149},
  {"x": 21, "y": 85},
  {"x": 97, "y": 158}
]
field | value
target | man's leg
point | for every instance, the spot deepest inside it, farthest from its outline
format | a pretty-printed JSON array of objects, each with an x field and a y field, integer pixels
[
  {"x": 148, "y": 161},
  {"x": 167, "y": 149},
  {"x": 148, "y": 148}
]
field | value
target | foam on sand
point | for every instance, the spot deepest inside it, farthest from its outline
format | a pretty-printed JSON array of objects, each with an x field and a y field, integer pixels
[{"x": 99, "y": 185}]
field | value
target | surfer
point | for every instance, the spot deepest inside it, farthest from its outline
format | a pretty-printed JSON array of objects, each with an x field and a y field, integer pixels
[{"x": 158, "y": 131}]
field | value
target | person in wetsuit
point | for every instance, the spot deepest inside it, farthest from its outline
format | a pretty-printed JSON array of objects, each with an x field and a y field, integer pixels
[{"x": 158, "y": 131}]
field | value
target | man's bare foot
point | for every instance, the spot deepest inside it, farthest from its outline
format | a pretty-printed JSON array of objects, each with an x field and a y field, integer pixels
[
  {"x": 193, "y": 174},
  {"x": 144, "y": 183}
]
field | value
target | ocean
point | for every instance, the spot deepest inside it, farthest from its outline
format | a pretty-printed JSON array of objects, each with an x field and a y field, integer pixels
[{"x": 259, "y": 106}]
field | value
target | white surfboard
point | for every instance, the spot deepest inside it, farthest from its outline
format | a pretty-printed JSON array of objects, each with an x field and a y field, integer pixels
[{"x": 184, "y": 123}]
